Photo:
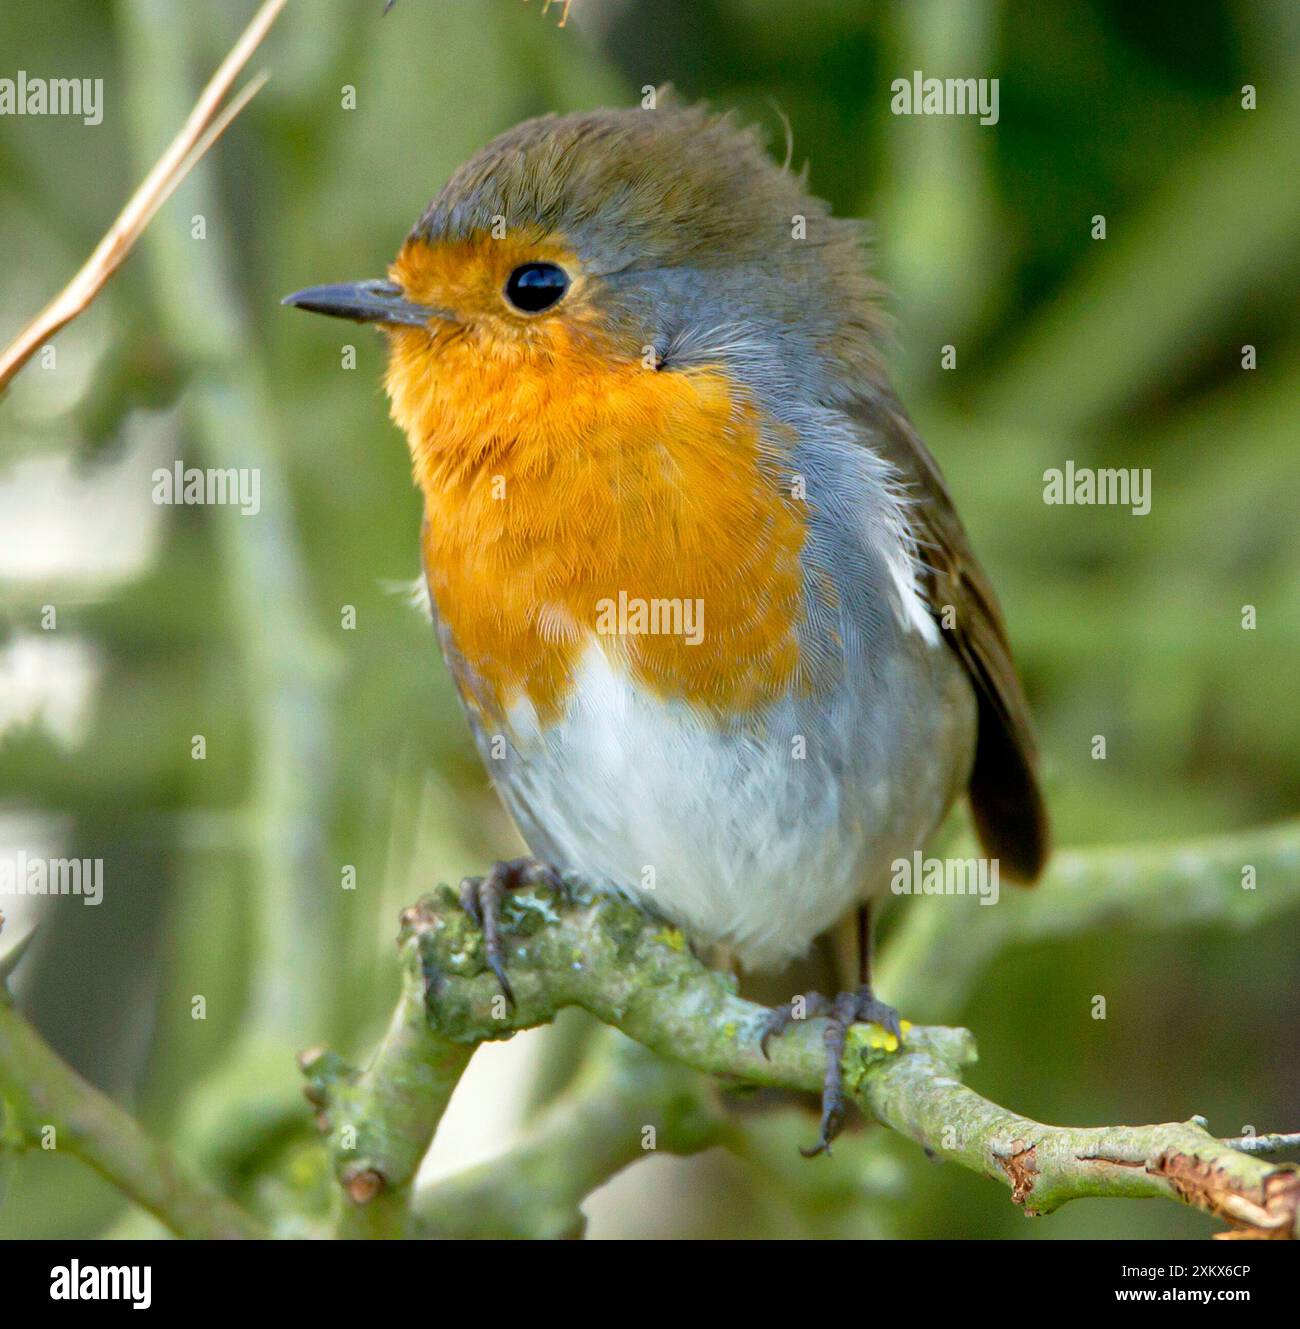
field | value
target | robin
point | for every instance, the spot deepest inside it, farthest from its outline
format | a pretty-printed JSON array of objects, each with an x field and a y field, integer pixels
[{"x": 717, "y": 627}]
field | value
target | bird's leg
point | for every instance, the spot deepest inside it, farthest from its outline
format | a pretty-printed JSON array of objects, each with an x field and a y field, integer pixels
[
  {"x": 871, "y": 1011},
  {"x": 860, "y": 1007},
  {"x": 480, "y": 898}
]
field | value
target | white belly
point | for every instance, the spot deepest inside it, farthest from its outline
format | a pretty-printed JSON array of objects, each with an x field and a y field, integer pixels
[{"x": 759, "y": 840}]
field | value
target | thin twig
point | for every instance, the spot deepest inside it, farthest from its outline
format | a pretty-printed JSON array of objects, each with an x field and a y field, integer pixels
[
  {"x": 942, "y": 945},
  {"x": 205, "y": 125},
  {"x": 1264, "y": 1144},
  {"x": 286, "y": 665}
]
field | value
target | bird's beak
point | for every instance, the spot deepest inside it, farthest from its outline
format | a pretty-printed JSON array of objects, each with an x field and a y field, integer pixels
[{"x": 366, "y": 302}]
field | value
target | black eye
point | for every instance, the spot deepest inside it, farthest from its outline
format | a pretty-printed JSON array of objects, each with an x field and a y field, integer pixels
[{"x": 536, "y": 286}]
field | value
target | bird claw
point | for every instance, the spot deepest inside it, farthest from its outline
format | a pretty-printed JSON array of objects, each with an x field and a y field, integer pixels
[
  {"x": 481, "y": 898},
  {"x": 849, "y": 1008},
  {"x": 807, "y": 1007}
]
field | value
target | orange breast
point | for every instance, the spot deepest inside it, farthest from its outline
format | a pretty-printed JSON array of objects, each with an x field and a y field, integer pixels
[{"x": 572, "y": 497}]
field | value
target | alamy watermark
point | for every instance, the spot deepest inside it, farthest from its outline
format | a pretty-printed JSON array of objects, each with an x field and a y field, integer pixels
[
  {"x": 231, "y": 486},
  {"x": 945, "y": 96},
  {"x": 1085, "y": 486},
  {"x": 919, "y": 875},
  {"x": 103, "y": 1282},
  {"x": 25, "y": 874},
  {"x": 53, "y": 96},
  {"x": 632, "y": 616}
]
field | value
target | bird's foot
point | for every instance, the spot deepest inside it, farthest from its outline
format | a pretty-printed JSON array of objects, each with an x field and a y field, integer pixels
[
  {"x": 481, "y": 897},
  {"x": 849, "y": 1008}
]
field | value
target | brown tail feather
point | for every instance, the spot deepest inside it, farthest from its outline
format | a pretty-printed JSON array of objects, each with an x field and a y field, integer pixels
[{"x": 1006, "y": 802}]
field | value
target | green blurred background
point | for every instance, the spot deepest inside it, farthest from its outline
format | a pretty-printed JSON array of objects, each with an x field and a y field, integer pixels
[{"x": 329, "y": 747}]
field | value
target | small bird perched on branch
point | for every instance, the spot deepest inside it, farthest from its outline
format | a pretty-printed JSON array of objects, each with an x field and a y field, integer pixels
[{"x": 717, "y": 627}]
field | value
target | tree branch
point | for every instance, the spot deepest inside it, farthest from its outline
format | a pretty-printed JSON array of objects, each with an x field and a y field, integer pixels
[
  {"x": 38, "y": 1092},
  {"x": 601, "y": 953},
  {"x": 381, "y": 1121},
  {"x": 939, "y": 951},
  {"x": 625, "y": 1104},
  {"x": 1265, "y": 1144},
  {"x": 573, "y": 947}
]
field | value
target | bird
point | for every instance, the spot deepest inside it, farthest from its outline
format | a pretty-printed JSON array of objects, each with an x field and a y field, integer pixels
[{"x": 716, "y": 625}]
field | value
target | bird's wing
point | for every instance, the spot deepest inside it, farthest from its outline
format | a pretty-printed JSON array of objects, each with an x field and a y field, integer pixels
[{"x": 1006, "y": 802}]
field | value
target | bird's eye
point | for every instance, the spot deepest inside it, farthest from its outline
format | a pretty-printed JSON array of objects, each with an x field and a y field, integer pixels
[{"x": 536, "y": 286}]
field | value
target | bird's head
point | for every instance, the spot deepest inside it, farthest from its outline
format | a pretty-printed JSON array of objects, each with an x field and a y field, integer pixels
[{"x": 609, "y": 246}]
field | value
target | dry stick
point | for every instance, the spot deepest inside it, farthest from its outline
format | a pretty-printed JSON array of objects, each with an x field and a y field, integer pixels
[{"x": 205, "y": 125}]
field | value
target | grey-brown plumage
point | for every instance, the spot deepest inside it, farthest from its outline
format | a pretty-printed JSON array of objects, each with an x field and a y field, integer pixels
[{"x": 1006, "y": 802}]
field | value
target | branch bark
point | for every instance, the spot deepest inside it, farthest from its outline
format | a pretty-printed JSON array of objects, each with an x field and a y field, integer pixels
[
  {"x": 575, "y": 947},
  {"x": 572, "y": 947}
]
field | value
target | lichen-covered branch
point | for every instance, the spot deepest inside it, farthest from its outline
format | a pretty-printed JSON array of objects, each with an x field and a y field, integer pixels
[
  {"x": 577, "y": 948},
  {"x": 45, "y": 1103},
  {"x": 573, "y": 947},
  {"x": 1047, "y": 1165},
  {"x": 381, "y": 1121}
]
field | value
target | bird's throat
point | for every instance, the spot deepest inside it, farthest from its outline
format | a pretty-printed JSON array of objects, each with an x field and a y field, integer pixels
[{"x": 572, "y": 497}]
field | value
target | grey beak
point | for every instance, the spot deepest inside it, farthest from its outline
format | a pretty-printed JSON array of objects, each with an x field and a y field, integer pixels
[{"x": 365, "y": 302}]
